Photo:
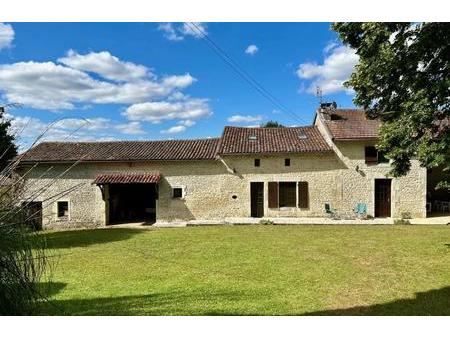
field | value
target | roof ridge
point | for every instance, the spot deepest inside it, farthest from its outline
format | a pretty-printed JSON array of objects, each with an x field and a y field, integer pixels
[
  {"x": 127, "y": 141},
  {"x": 283, "y": 128}
]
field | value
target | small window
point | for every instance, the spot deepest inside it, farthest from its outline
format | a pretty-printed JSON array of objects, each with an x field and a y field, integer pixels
[
  {"x": 63, "y": 209},
  {"x": 177, "y": 192},
  {"x": 287, "y": 162},
  {"x": 257, "y": 162},
  {"x": 371, "y": 155},
  {"x": 287, "y": 194}
]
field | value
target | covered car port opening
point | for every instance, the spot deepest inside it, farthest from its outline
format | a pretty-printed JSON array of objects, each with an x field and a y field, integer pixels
[{"x": 129, "y": 197}]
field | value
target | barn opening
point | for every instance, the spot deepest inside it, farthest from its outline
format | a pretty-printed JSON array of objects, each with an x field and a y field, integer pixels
[
  {"x": 129, "y": 198},
  {"x": 438, "y": 199}
]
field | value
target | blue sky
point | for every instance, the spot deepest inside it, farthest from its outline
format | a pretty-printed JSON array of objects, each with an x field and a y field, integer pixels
[{"x": 161, "y": 80}]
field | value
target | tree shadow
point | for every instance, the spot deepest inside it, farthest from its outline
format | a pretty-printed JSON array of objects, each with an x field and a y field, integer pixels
[
  {"x": 83, "y": 238},
  {"x": 237, "y": 303},
  {"x": 175, "y": 303},
  {"x": 50, "y": 289},
  {"x": 429, "y": 303}
]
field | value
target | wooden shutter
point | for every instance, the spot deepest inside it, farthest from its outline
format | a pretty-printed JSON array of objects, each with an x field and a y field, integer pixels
[
  {"x": 303, "y": 195},
  {"x": 273, "y": 194}
]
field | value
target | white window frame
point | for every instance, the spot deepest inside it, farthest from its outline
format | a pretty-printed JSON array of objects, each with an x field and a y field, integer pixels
[{"x": 183, "y": 191}]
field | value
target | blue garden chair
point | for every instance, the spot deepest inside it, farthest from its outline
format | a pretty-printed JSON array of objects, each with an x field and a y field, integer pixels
[{"x": 361, "y": 210}]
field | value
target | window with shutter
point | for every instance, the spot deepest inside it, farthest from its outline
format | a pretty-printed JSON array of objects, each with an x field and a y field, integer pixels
[
  {"x": 303, "y": 195},
  {"x": 371, "y": 155},
  {"x": 287, "y": 194},
  {"x": 273, "y": 194}
]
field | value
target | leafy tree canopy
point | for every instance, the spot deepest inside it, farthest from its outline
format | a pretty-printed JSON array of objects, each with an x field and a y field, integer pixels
[
  {"x": 403, "y": 79},
  {"x": 8, "y": 149},
  {"x": 272, "y": 124}
]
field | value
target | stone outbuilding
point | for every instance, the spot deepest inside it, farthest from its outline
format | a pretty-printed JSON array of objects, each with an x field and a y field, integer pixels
[{"x": 247, "y": 172}]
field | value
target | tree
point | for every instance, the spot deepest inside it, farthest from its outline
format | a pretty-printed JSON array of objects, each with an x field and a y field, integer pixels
[
  {"x": 403, "y": 79},
  {"x": 8, "y": 149},
  {"x": 272, "y": 124}
]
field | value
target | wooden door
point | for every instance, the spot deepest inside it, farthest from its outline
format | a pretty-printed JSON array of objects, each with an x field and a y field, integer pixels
[
  {"x": 257, "y": 199},
  {"x": 382, "y": 198}
]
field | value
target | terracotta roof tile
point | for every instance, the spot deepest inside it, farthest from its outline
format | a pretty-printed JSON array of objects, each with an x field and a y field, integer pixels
[
  {"x": 202, "y": 149},
  {"x": 127, "y": 178},
  {"x": 352, "y": 124},
  {"x": 237, "y": 140}
]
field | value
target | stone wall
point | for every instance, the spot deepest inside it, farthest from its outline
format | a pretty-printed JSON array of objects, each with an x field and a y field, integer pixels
[
  {"x": 340, "y": 177},
  {"x": 357, "y": 179}
]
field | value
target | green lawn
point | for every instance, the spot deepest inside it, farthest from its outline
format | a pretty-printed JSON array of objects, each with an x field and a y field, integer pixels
[{"x": 251, "y": 270}]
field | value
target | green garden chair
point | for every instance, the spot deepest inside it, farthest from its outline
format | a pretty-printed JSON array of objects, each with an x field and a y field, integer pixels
[{"x": 332, "y": 213}]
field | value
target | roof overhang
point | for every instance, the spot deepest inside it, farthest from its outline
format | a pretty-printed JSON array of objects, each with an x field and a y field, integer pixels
[{"x": 126, "y": 178}]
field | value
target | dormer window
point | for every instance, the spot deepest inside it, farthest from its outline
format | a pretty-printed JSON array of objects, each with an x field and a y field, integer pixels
[
  {"x": 252, "y": 137},
  {"x": 302, "y": 136}
]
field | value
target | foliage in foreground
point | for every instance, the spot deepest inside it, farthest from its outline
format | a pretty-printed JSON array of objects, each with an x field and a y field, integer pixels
[
  {"x": 403, "y": 79},
  {"x": 22, "y": 263}
]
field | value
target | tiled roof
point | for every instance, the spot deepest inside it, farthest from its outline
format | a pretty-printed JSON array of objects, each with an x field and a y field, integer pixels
[
  {"x": 352, "y": 124},
  {"x": 236, "y": 140},
  {"x": 204, "y": 149},
  {"x": 127, "y": 178}
]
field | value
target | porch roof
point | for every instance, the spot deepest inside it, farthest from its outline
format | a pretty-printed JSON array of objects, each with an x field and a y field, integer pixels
[{"x": 123, "y": 178}]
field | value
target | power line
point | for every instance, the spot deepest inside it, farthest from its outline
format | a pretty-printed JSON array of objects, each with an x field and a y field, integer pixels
[{"x": 244, "y": 74}]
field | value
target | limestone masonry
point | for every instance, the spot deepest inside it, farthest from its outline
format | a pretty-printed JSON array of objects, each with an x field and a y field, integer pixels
[{"x": 299, "y": 170}]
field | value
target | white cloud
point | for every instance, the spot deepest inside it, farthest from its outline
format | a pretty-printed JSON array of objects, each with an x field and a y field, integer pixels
[
  {"x": 330, "y": 46},
  {"x": 130, "y": 128},
  {"x": 174, "y": 130},
  {"x": 252, "y": 49},
  {"x": 178, "y": 31},
  {"x": 157, "y": 111},
  {"x": 337, "y": 66},
  {"x": 106, "y": 65},
  {"x": 46, "y": 85},
  {"x": 27, "y": 129},
  {"x": 195, "y": 29},
  {"x": 244, "y": 118},
  {"x": 6, "y": 35},
  {"x": 187, "y": 123},
  {"x": 178, "y": 81}
]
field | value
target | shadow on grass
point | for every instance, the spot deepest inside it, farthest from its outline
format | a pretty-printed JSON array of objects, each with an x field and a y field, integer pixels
[
  {"x": 176, "y": 303},
  {"x": 82, "y": 238},
  {"x": 428, "y": 303},
  {"x": 433, "y": 302}
]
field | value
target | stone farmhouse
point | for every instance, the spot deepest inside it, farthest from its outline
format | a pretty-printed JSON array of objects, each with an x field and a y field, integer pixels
[{"x": 247, "y": 172}]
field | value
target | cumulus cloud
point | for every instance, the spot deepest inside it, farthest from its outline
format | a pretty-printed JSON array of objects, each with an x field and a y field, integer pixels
[
  {"x": 81, "y": 81},
  {"x": 27, "y": 129},
  {"x": 158, "y": 111},
  {"x": 6, "y": 35},
  {"x": 195, "y": 29},
  {"x": 106, "y": 65},
  {"x": 244, "y": 118},
  {"x": 47, "y": 85},
  {"x": 338, "y": 64},
  {"x": 252, "y": 49},
  {"x": 178, "y": 31},
  {"x": 174, "y": 130},
  {"x": 130, "y": 128}
]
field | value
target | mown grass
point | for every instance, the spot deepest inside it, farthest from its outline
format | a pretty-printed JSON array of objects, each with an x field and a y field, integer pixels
[{"x": 252, "y": 270}]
